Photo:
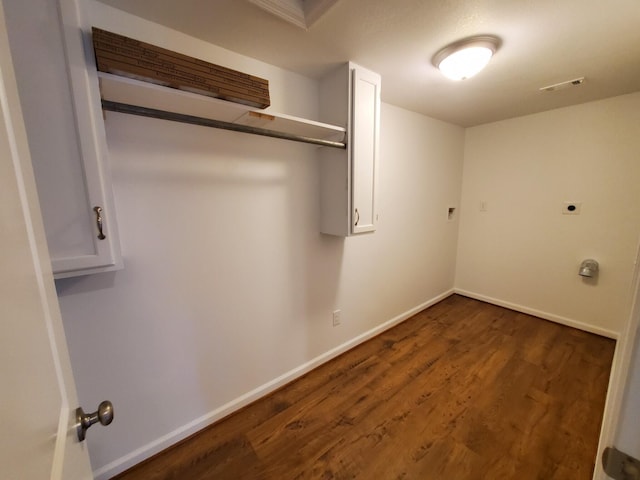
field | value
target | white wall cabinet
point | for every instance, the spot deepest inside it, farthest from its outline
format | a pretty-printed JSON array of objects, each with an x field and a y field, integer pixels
[
  {"x": 60, "y": 101},
  {"x": 350, "y": 96}
]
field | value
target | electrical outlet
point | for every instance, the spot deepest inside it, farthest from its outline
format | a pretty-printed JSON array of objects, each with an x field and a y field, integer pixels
[{"x": 336, "y": 318}]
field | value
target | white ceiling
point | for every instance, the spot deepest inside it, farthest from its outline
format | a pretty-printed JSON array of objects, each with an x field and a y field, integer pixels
[{"x": 543, "y": 42}]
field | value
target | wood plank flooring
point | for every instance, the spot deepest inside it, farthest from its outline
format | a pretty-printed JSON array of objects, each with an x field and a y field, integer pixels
[{"x": 462, "y": 390}]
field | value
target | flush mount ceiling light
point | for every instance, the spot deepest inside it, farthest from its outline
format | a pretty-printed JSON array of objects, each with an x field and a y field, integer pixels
[{"x": 465, "y": 58}]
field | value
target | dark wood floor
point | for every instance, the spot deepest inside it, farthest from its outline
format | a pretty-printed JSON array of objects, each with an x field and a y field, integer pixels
[{"x": 463, "y": 390}]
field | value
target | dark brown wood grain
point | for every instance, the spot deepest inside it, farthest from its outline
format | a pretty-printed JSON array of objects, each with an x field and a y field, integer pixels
[
  {"x": 132, "y": 58},
  {"x": 462, "y": 390}
]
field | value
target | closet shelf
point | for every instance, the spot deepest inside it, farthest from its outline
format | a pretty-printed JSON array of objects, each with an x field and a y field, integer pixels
[{"x": 127, "y": 95}]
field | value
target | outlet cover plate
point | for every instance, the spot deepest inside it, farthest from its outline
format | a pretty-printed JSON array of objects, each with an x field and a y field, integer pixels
[{"x": 337, "y": 318}]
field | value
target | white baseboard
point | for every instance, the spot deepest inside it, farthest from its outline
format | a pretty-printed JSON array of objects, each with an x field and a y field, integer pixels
[
  {"x": 538, "y": 313},
  {"x": 156, "y": 446}
]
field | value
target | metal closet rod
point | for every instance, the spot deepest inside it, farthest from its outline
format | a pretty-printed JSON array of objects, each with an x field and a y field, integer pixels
[{"x": 207, "y": 122}]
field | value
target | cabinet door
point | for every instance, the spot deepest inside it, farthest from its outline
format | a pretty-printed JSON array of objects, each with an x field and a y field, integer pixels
[
  {"x": 364, "y": 144},
  {"x": 61, "y": 106},
  {"x": 350, "y": 96}
]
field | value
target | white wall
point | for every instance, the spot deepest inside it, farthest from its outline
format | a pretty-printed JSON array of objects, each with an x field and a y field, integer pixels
[
  {"x": 228, "y": 287},
  {"x": 522, "y": 251}
]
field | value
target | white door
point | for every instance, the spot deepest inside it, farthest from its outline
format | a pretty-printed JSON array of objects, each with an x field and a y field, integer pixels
[
  {"x": 621, "y": 422},
  {"x": 38, "y": 397}
]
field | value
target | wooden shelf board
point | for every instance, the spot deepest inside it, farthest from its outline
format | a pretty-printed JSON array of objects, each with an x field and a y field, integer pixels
[
  {"x": 294, "y": 125},
  {"x": 145, "y": 94}
]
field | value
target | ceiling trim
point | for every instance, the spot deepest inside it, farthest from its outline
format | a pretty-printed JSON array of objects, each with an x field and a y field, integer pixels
[
  {"x": 315, "y": 9},
  {"x": 301, "y": 13}
]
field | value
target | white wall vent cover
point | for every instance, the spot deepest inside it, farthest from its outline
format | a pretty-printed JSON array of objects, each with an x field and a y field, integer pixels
[
  {"x": 301, "y": 13},
  {"x": 559, "y": 86}
]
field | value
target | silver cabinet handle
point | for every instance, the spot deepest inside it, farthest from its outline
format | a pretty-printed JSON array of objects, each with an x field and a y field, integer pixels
[
  {"x": 98, "y": 210},
  {"x": 104, "y": 415},
  {"x": 357, "y": 217}
]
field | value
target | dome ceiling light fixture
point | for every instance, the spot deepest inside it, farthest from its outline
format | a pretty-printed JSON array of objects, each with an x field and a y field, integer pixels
[{"x": 465, "y": 58}]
